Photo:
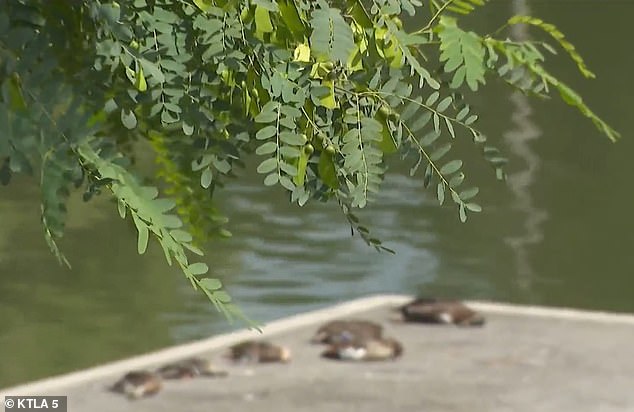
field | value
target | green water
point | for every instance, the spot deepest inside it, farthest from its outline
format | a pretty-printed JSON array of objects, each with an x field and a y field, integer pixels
[{"x": 560, "y": 232}]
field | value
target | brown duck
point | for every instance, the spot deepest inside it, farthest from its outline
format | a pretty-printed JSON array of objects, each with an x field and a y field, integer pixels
[
  {"x": 259, "y": 352},
  {"x": 339, "y": 331},
  {"x": 138, "y": 384},
  {"x": 190, "y": 368},
  {"x": 429, "y": 310},
  {"x": 375, "y": 349}
]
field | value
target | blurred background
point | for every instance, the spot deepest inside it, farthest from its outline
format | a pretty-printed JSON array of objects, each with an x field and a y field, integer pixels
[{"x": 558, "y": 232}]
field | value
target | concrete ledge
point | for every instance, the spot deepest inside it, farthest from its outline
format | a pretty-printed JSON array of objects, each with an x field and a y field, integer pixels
[
  {"x": 548, "y": 312},
  {"x": 60, "y": 384}
]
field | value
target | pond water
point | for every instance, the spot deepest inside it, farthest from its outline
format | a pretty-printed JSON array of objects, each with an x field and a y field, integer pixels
[{"x": 559, "y": 232}]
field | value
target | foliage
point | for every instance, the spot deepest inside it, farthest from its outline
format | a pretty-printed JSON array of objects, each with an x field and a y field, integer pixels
[{"x": 321, "y": 91}]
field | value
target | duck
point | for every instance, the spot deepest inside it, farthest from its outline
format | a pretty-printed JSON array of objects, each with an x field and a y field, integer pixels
[
  {"x": 190, "y": 368},
  {"x": 373, "y": 349},
  {"x": 432, "y": 310},
  {"x": 251, "y": 351},
  {"x": 338, "y": 331},
  {"x": 138, "y": 384}
]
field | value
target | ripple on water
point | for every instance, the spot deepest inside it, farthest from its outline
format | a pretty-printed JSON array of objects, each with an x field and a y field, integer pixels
[
  {"x": 269, "y": 284},
  {"x": 281, "y": 248}
]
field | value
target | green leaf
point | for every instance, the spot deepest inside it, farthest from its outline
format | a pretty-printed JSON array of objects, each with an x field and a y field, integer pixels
[
  {"x": 440, "y": 152},
  {"x": 288, "y": 168},
  {"x": 266, "y": 132},
  {"x": 171, "y": 221},
  {"x": 143, "y": 238},
  {"x": 193, "y": 249},
  {"x": 332, "y": 38},
  {"x": 474, "y": 207},
  {"x": 411, "y": 109},
  {"x": 413, "y": 169},
  {"x": 440, "y": 192},
  {"x": 271, "y": 179},
  {"x": 462, "y": 113},
  {"x": 287, "y": 183},
  {"x": 166, "y": 117},
  {"x": 456, "y": 180},
  {"x": 266, "y": 148},
  {"x": 267, "y": 166},
  {"x": 267, "y": 4},
  {"x": 198, "y": 268},
  {"x": 263, "y": 20},
  {"x": 206, "y": 177},
  {"x": 432, "y": 98},
  {"x": 188, "y": 129},
  {"x": 421, "y": 121},
  {"x": 451, "y": 167},
  {"x": 210, "y": 284},
  {"x": 148, "y": 192},
  {"x": 436, "y": 122},
  {"x": 292, "y": 138},
  {"x": 471, "y": 119},
  {"x": 444, "y": 103},
  {"x": 450, "y": 127},
  {"x": 163, "y": 205},
  {"x": 429, "y": 138},
  {"x": 461, "y": 49},
  {"x": 204, "y": 5},
  {"x": 268, "y": 113},
  {"x": 122, "y": 208},
  {"x": 221, "y": 165},
  {"x": 469, "y": 193},
  {"x": 289, "y": 152},
  {"x": 128, "y": 119},
  {"x": 221, "y": 296},
  {"x": 181, "y": 235},
  {"x": 464, "y": 7},
  {"x": 291, "y": 17},
  {"x": 462, "y": 213}
]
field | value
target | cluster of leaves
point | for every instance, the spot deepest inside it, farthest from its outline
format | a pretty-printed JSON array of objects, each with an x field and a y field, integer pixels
[{"x": 321, "y": 91}]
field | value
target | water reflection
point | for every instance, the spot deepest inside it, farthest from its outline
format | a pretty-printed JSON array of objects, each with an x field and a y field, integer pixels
[
  {"x": 309, "y": 253},
  {"x": 522, "y": 182}
]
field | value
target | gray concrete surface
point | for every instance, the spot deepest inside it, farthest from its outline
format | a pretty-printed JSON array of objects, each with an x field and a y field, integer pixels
[{"x": 524, "y": 359}]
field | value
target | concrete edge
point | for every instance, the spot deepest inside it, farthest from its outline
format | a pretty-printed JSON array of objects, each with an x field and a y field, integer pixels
[
  {"x": 57, "y": 383},
  {"x": 552, "y": 312}
]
